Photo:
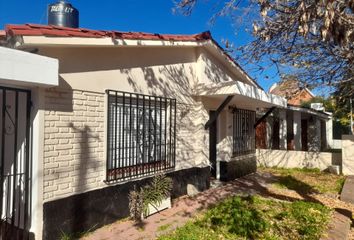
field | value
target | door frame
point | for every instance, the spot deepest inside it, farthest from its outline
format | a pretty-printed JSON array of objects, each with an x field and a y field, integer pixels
[{"x": 15, "y": 230}]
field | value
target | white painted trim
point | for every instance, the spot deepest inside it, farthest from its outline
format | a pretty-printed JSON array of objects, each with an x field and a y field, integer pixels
[
  {"x": 218, "y": 137},
  {"x": 26, "y": 69},
  {"x": 242, "y": 89},
  {"x": 37, "y": 118},
  {"x": 297, "y": 130},
  {"x": 309, "y": 111},
  {"x": 106, "y": 130},
  {"x": 309, "y": 91},
  {"x": 42, "y": 41}
]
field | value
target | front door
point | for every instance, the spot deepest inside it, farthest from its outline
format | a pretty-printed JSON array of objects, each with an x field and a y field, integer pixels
[
  {"x": 14, "y": 163},
  {"x": 212, "y": 144}
]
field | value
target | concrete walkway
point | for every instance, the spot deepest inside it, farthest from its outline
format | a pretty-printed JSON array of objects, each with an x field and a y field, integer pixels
[{"x": 182, "y": 210}]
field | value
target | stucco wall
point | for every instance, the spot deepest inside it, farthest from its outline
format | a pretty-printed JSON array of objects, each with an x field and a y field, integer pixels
[
  {"x": 210, "y": 69},
  {"x": 348, "y": 154},
  {"x": 297, "y": 159},
  {"x": 149, "y": 70}
]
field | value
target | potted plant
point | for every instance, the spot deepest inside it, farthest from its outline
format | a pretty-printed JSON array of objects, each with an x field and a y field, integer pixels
[{"x": 151, "y": 198}]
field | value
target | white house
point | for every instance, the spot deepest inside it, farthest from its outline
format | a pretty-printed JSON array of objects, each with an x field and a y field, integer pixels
[{"x": 122, "y": 107}]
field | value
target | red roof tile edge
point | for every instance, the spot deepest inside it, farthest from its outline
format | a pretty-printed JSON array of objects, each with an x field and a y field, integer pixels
[{"x": 55, "y": 31}]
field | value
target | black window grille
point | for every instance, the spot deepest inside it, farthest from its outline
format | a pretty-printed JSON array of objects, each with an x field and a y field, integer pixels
[
  {"x": 141, "y": 135},
  {"x": 243, "y": 132}
]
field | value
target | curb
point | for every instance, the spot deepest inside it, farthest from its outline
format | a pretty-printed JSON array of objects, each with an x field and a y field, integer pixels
[
  {"x": 347, "y": 194},
  {"x": 339, "y": 227}
]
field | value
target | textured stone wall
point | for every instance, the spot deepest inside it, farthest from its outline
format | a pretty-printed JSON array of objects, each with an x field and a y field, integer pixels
[{"x": 74, "y": 158}]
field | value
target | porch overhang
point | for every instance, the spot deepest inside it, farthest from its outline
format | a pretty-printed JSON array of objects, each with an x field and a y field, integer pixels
[
  {"x": 244, "y": 96},
  {"x": 27, "y": 70},
  {"x": 322, "y": 115}
]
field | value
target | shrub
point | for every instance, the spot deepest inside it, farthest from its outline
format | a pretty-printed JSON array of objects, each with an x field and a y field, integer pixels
[
  {"x": 239, "y": 216},
  {"x": 310, "y": 217}
]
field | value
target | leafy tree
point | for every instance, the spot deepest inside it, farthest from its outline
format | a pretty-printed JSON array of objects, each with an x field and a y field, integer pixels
[
  {"x": 312, "y": 39},
  {"x": 340, "y": 111}
]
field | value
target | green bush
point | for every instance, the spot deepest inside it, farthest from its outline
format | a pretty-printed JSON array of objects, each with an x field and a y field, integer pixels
[
  {"x": 239, "y": 216},
  {"x": 310, "y": 217},
  {"x": 256, "y": 218}
]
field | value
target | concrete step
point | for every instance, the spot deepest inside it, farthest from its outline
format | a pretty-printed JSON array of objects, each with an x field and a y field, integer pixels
[
  {"x": 347, "y": 194},
  {"x": 339, "y": 227}
]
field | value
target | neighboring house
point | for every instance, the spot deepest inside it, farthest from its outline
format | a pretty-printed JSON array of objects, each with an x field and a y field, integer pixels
[
  {"x": 306, "y": 130},
  {"x": 126, "y": 105},
  {"x": 295, "y": 128},
  {"x": 292, "y": 91}
]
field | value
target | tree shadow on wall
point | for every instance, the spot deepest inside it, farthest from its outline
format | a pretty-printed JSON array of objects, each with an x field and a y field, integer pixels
[
  {"x": 174, "y": 81},
  {"x": 86, "y": 162}
]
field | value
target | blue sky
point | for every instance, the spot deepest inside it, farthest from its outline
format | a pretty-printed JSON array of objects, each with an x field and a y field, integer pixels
[{"x": 133, "y": 15}]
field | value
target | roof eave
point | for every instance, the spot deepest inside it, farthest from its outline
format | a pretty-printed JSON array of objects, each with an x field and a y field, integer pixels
[
  {"x": 310, "y": 111},
  {"x": 44, "y": 41}
]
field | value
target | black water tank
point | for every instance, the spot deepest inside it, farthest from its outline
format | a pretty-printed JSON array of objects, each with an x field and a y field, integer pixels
[{"x": 63, "y": 14}]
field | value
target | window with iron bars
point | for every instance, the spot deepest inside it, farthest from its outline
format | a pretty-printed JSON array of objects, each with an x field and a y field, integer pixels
[
  {"x": 243, "y": 132},
  {"x": 141, "y": 137}
]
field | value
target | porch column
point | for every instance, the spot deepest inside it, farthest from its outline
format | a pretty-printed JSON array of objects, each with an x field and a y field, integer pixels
[
  {"x": 282, "y": 129},
  {"x": 269, "y": 128},
  {"x": 318, "y": 136},
  {"x": 315, "y": 135},
  {"x": 329, "y": 132},
  {"x": 297, "y": 130}
]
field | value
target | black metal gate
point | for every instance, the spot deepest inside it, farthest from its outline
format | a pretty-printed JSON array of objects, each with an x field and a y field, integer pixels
[{"x": 15, "y": 165}]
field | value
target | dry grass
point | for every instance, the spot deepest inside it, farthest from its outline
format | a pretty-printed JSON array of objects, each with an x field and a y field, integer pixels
[
  {"x": 307, "y": 180},
  {"x": 319, "y": 186}
]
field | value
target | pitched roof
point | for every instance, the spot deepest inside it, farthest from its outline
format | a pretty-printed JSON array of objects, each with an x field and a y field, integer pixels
[
  {"x": 55, "y": 31},
  {"x": 287, "y": 88},
  {"x": 292, "y": 91}
]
